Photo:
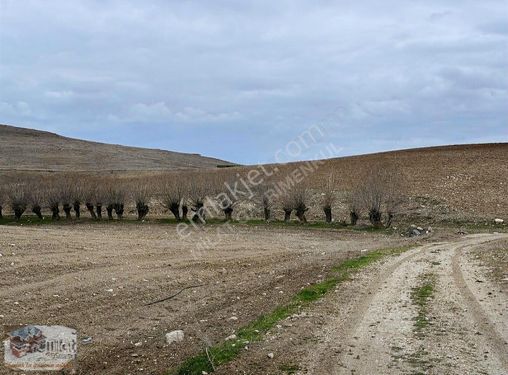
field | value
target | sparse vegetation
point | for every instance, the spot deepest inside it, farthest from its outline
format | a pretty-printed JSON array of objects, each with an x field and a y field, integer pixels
[
  {"x": 226, "y": 351},
  {"x": 421, "y": 296}
]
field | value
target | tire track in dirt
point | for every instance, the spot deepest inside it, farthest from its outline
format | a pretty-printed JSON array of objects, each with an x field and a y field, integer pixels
[
  {"x": 346, "y": 322},
  {"x": 376, "y": 335},
  {"x": 485, "y": 324}
]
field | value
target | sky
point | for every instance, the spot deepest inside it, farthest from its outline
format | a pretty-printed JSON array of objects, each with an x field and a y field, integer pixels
[{"x": 238, "y": 80}]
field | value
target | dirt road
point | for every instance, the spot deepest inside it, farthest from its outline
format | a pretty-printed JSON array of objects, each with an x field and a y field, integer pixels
[{"x": 429, "y": 311}]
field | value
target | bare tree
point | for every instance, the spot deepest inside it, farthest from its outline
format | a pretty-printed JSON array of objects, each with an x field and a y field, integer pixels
[
  {"x": 115, "y": 198},
  {"x": 197, "y": 194},
  {"x": 18, "y": 199},
  {"x": 78, "y": 193},
  {"x": 142, "y": 195},
  {"x": 265, "y": 199},
  {"x": 172, "y": 196},
  {"x": 300, "y": 198},
  {"x": 354, "y": 205},
  {"x": 36, "y": 198},
  {"x": 89, "y": 197},
  {"x": 52, "y": 194},
  {"x": 287, "y": 206},
  {"x": 382, "y": 189},
  {"x": 66, "y": 192},
  {"x": 2, "y": 198},
  {"x": 226, "y": 200},
  {"x": 328, "y": 198}
]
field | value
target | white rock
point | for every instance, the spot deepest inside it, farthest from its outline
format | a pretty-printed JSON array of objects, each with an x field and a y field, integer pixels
[
  {"x": 233, "y": 318},
  {"x": 270, "y": 355},
  {"x": 174, "y": 336},
  {"x": 498, "y": 221},
  {"x": 231, "y": 337}
]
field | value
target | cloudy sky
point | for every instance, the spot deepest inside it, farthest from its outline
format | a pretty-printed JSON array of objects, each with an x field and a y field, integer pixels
[{"x": 237, "y": 79}]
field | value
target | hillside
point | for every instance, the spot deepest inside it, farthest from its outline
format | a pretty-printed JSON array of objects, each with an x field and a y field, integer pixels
[
  {"x": 446, "y": 181},
  {"x": 33, "y": 150}
]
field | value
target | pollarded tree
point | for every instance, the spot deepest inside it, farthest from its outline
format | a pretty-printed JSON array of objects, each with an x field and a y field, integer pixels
[
  {"x": 78, "y": 193},
  {"x": 172, "y": 194},
  {"x": 264, "y": 196},
  {"x": 198, "y": 191},
  {"x": 288, "y": 205},
  {"x": 328, "y": 198},
  {"x": 225, "y": 198},
  {"x": 300, "y": 197},
  {"x": 36, "y": 199},
  {"x": 354, "y": 206},
  {"x": 382, "y": 188},
  {"x": 89, "y": 196},
  {"x": 66, "y": 192},
  {"x": 2, "y": 197},
  {"x": 115, "y": 198},
  {"x": 141, "y": 195},
  {"x": 18, "y": 199}
]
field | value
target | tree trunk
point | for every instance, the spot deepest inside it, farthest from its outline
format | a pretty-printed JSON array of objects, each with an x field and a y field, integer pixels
[
  {"x": 55, "y": 212},
  {"x": 328, "y": 214},
  {"x": 1, "y": 216},
  {"x": 89, "y": 207},
  {"x": 228, "y": 213},
  {"x": 390, "y": 219},
  {"x": 185, "y": 210},
  {"x": 266, "y": 211},
  {"x": 77, "y": 209},
  {"x": 354, "y": 217},
  {"x": 142, "y": 210},
  {"x": 375, "y": 217},
  {"x": 109, "y": 210},
  {"x": 18, "y": 212},
  {"x": 37, "y": 211},
  {"x": 175, "y": 210},
  {"x": 199, "y": 216},
  {"x": 67, "y": 210},
  {"x": 99, "y": 211},
  {"x": 287, "y": 215},
  {"x": 300, "y": 214},
  {"x": 119, "y": 210}
]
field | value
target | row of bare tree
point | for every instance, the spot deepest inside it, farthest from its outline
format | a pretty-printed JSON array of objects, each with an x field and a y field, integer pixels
[{"x": 196, "y": 196}]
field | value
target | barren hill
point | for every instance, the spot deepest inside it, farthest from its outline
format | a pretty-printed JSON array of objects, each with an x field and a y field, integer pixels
[
  {"x": 470, "y": 180},
  {"x": 33, "y": 150}
]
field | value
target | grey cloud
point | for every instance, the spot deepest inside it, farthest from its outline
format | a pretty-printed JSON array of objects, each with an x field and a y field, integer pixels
[{"x": 257, "y": 73}]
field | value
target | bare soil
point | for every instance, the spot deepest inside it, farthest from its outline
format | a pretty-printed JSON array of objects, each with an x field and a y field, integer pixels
[
  {"x": 98, "y": 278},
  {"x": 369, "y": 325}
]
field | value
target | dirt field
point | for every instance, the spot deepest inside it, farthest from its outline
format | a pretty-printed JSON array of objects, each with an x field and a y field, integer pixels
[{"x": 97, "y": 278}]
